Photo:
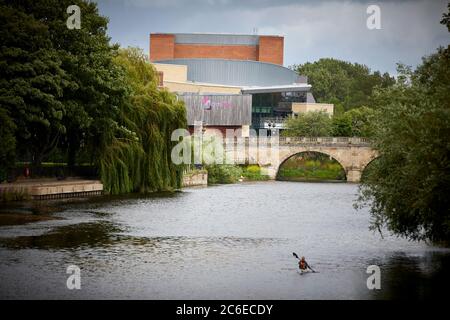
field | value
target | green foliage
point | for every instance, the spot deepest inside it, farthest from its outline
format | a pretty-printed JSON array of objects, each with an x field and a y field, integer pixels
[
  {"x": 31, "y": 81},
  {"x": 354, "y": 123},
  {"x": 59, "y": 85},
  {"x": 342, "y": 125},
  {"x": 7, "y": 143},
  {"x": 311, "y": 166},
  {"x": 253, "y": 173},
  {"x": 346, "y": 85},
  {"x": 310, "y": 124},
  {"x": 223, "y": 173},
  {"x": 136, "y": 157},
  {"x": 253, "y": 169},
  {"x": 69, "y": 93},
  {"x": 407, "y": 188}
]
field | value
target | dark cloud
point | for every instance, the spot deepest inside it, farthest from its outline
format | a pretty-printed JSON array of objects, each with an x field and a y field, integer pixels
[{"x": 312, "y": 29}]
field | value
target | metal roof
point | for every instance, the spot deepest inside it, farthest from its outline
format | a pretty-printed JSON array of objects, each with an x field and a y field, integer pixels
[
  {"x": 237, "y": 72},
  {"x": 291, "y": 88},
  {"x": 222, "y": 39}
]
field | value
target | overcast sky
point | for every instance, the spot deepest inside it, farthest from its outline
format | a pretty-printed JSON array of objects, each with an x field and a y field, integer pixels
[{"x": 316, "y": 29}]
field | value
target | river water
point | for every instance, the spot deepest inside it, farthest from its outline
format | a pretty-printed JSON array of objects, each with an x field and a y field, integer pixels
[{"x": 222, "y": 242}]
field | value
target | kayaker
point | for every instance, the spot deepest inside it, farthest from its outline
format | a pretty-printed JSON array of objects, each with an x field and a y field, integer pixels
[{"x": 303, "y": 265}]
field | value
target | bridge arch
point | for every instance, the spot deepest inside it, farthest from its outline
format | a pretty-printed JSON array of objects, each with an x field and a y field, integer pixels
[
  {"x": 368, "y": 163},
  {"x": 288, "y": 156},
  {"x": 352, "y": 157}
]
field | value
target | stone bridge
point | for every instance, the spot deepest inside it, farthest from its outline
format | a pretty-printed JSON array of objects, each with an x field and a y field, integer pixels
[{"x": 353, "y": 154}]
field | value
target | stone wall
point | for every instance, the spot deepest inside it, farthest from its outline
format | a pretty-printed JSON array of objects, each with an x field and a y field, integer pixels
[{"x": 195, "y": 179}]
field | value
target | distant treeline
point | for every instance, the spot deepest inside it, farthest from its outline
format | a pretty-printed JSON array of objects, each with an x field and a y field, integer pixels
[
  {"x": 346, "y": 85},
  {"x": 351, "y": 87}
]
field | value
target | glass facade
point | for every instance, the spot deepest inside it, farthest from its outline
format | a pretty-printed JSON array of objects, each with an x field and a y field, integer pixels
[{"x": 274, "y": 104}]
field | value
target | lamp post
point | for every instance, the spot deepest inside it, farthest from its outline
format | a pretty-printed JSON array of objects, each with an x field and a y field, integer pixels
[{"x": 201, "y": 143}]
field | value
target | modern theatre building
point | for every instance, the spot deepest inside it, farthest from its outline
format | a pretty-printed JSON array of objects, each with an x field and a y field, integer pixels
[{"x": 231, "y": 81}]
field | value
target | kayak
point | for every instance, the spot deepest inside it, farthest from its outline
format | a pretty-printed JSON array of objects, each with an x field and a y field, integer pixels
[{"x": 305, "y": 271}]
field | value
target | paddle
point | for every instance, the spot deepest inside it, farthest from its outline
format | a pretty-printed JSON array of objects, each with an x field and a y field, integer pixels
[{"x": 295, "y": 255}]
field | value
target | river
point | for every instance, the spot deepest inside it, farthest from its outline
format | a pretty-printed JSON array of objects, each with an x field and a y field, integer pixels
[{"x": 221, "y": 242}]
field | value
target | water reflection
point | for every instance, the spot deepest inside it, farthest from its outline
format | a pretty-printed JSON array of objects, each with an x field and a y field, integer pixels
[
  {"x": 415, "y": 277},
  {"x": 92, "y": 234}
]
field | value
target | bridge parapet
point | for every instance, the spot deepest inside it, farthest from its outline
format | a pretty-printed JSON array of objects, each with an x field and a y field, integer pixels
[
  {"x": 288, "y": 141},
  {"x": 357, "y": 141}
]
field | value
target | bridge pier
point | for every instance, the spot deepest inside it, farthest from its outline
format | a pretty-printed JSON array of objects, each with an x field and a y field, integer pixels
[
  {"x": 270, "y": 171},
  {"x": 353, "y": 175}
]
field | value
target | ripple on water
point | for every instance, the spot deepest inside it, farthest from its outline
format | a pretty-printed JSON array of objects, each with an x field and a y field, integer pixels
[{"x": 233, "y": 241}]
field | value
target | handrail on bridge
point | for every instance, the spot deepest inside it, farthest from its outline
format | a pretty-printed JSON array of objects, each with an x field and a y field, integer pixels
[
  {"x": 324, "y": 140},
  {"x": 311, "y": 140}
]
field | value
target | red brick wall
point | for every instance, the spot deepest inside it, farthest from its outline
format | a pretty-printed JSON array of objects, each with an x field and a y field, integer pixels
[
  {"x": 271, "y": 49},
  {"x": 236, "y": 52},
  {"x": 162, "y": 46}
]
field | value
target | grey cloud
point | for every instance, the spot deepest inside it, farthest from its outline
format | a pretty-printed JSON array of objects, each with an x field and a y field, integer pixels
[{"x": 312, "y": 29}]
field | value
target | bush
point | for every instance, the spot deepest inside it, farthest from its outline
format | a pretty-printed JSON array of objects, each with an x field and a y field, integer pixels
[
  {"x": 253, "y": 172},
  {"x": 223, "y": 173},
  {"x": 310, "y": 124}
]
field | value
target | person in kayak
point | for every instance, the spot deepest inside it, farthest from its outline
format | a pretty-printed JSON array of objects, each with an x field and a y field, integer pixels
[{"x": 303, "y": 265}]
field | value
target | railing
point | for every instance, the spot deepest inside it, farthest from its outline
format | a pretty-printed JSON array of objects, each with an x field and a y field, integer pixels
[
  {"x": 325, "y": 140},
  {"x": 287, "y": 141},
  {"x": 272, "y": 120}
]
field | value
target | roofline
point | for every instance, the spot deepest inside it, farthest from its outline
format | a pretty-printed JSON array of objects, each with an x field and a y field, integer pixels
[
  {"x": 219, "y": 33},
  {"x": 167, "y": 64},
  {"x": 206, "y": 84},
  {"x": 218, "y": 59},
  {"x": 251, "y": 89},
  {"x": 282, "y": 88}
]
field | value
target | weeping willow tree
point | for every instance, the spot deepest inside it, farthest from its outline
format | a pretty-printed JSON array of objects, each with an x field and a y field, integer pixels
[{"x": 136, "y": 149}]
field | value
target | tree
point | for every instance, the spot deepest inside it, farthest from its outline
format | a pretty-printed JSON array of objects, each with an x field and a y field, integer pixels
[
  {"x": 74, "y": 92},
  {"x": 136, "y": 156},
  {"x": 309, "y": 124},
  {"x": 59, "y": 85},
  {"x": 407, "y": 188},
  {"x": 354, "y": 123},
  {"x": 346, "y": 85},
  {"x": 31, "y": 82},
  {"x": 7, "y": 143},
  {"x": 342, "y": 125}
]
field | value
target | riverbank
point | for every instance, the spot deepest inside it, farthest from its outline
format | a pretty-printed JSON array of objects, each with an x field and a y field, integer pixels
[
  {"x": 73, "y": 187},
  {"x": 195, "y": 178},
  {"x": 48, "y": 188}
]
